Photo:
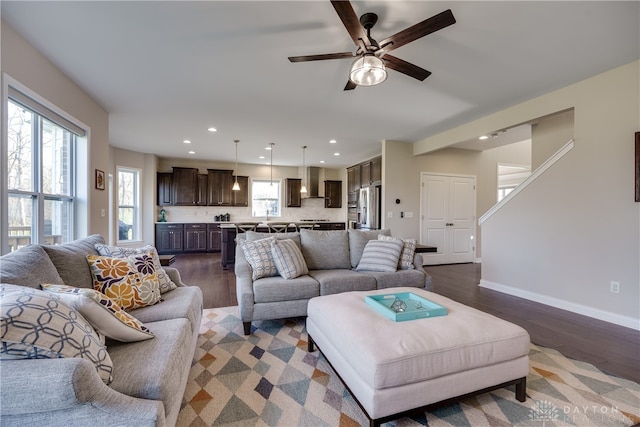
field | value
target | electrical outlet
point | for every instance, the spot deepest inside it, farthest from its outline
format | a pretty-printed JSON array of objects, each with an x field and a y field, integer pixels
[{"x": 615, "y": 287}]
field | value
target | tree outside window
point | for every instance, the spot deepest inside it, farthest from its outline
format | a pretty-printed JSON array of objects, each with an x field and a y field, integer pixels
[{"x": 128, "y": 204}]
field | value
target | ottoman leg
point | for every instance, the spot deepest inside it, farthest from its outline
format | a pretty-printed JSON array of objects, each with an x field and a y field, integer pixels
[
  {"x": 521, "y": 389},
  {"x": 247, "y": 328},
  {"x": 310, "y": 345}
]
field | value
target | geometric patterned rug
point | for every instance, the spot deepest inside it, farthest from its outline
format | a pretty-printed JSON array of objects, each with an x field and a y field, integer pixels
[{"x": 269, "y": 379}]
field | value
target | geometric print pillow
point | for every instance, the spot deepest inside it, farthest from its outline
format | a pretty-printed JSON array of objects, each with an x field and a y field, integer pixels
[
  {"x": 166, "y": 284},
  {"x": 37, "y": 325},
  {"x": 102, "y": 312},
  {"x": 131, "y": 282},
  {"x": 408, "y": 252},
  {"x": 258, "y": 254}
]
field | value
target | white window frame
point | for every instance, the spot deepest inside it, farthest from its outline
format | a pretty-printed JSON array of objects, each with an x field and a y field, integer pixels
[
  {"x": 259, "y": 213},
  {"x": 79, "y": 218},
  {"x": 136, "y": 225}
]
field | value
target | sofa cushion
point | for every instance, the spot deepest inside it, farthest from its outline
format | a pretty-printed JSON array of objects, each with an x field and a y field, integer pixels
[
  {"x": 70, "y": 260},
  {"x": 408, "y": 252},
  {"x": 155, "y": 369},
  {"x": 102, "y": 312},
  {"x": 325, "y": 250},
  {"x": 337, "y": 281},
  {"x": 114, "y": 251},
  {"x": 37, "y": 325},
  {"x": 411, "y": 278},
  {"x": 258, "y": 255},
  {"x": 275, "y": 289},
  {"x": 256, "y": 235},
  {"x": 131, "y": 282},
  {"x": 358, "y": 240},
  {"x": 381, "y": 255},
  {"x": 184, "y": 301},
  {"x": 288, "y": 258},
  {"x": 28, "y": 266}
]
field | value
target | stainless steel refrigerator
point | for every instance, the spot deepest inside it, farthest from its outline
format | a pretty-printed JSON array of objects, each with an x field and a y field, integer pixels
[{"x": 369, "y": 208}]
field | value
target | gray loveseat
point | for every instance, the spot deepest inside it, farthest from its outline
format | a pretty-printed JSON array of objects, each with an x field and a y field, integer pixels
[
  {"x": 149, "y": 377},
  {"x": 331, "y": 258}
]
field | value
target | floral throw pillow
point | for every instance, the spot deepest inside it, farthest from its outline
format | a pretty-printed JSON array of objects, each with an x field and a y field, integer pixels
[
  {"x": 131, "y": 282},
  {"x": 166, "y": 284},
  {"x": 102, "y": 312}
]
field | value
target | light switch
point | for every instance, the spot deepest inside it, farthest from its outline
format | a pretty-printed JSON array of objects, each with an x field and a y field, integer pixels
[
  {"x": 103, "y": 212},
  {"x": 390, "y": 214}
]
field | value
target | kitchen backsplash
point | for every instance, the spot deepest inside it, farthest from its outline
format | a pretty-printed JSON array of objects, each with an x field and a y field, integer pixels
[{"x": 311, "y": 209}]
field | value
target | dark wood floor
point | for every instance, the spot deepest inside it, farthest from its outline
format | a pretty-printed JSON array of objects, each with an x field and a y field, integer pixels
[{"x": 613, "y": 349}]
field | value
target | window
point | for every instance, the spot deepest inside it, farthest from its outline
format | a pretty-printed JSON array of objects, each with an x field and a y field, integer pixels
[
  {"x": 128, "y": 204},
  {"x": 40, "y": 166},
  {"x": 265, "y": 198}
]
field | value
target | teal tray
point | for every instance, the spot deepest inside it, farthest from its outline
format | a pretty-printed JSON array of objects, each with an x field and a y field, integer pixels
[{"x": 416, "y": 306}]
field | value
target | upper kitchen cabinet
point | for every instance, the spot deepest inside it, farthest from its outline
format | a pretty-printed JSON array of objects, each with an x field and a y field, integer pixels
[
  {"x": 220, "y": 182},
  {"x": 165, "y": 188},
  {"x": 364, "y": 174},
  {"x": 376, "y": 170},
  {"x": 333, "y": 194},
  {"x": 294, "y": 199},
  {"x": 353, "y": 178},
  {"x": 185, "y": 186},
  {"x": 241, "y": 197},
  {"x": 202, "y": 197}
]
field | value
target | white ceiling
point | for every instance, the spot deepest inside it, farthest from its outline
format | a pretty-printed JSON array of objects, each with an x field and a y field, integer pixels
[{"x": 166, "y": 71}]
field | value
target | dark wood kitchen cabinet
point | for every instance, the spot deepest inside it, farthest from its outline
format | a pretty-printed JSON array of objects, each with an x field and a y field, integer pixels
[
  {"x": 333, "y": 194},
  {"x": 220, "y": 182},
  {"x": 195, "y": 237},
  {"x": 353, "y": 179},
  {"x": 294, "y": 199},
  {"x": 185, "y": 186},
  {"x": 376, "y": 171},
  {"x": 241, "y": 197},
  {"x": 165, "y": 188},
  {"x": 202, "y": 196},
  {"x": 169, "y": 238},
  {"x": 214, "y": 237}
]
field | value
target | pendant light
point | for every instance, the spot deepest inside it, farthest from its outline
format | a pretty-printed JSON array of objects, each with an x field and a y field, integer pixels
[
  {"x": 303, "y": 188},
  {"x": 271, "y": 144},
  {"x": 236, "y": 186}
]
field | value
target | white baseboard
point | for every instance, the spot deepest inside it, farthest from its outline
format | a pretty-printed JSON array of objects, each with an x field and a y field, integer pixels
[{"x": 606, "y": 316}]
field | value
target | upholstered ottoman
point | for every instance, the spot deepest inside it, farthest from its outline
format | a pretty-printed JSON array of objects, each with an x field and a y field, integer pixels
[{"x": 393, "y": 368}]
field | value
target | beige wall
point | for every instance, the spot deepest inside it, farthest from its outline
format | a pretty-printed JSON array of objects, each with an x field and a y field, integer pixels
[
  {"x": 577, "y": 227},
  {"x": 550, "y": 134},
  {"x": 25, "y": 64},
  {"x": 401, "y": 178}
]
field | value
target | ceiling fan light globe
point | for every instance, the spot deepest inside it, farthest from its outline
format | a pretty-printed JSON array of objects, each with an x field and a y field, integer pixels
[{"x": 368, "y": 70}]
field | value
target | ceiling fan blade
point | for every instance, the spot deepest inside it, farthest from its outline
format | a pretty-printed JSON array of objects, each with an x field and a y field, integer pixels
[
  {"x": 406, "y": 67},
  {"x": 321, "y": 57},
  {"x": 421, "y": 29},
  {"x": 350, "y": 20},
  {"x": 350, "y": 85}
]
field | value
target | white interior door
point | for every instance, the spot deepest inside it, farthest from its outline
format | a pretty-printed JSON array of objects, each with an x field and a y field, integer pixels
[{"x": 448, "y": 218}]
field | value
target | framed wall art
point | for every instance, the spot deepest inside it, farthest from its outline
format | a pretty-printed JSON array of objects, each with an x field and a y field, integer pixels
[{"x": 99, "y": 179}]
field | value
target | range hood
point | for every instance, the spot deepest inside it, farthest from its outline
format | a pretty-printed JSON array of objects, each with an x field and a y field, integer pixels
[{"x": 313, "y": 175}]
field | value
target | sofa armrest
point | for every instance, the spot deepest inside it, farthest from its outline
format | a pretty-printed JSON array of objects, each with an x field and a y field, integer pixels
[
  {"x": 244, "y": 286},
  {"x": 417, "y": 263},
  {"x": 174, "y": 275},
  {"x": 68, "y": 391}
]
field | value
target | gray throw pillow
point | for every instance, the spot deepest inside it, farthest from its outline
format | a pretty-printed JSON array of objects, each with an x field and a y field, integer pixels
[
  {"x": 70, "y": 260},
  {"x": 28, "y": 266}
]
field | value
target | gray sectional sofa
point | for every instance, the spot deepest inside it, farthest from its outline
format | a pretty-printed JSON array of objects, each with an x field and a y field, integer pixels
[
  {"x": 331, "y": 258},
  {"x": 149, "y": 376}
]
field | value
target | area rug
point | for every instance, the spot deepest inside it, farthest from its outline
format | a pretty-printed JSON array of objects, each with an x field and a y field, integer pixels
[{"x": 269, "y": 379}]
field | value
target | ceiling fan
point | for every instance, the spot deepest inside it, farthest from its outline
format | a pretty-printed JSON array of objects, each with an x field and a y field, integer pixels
[{"x": 372, "y": 57}]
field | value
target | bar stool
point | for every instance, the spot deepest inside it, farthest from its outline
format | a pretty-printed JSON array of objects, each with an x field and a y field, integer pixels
[
  {"x": 243, "y": 227},
  {"x": 305, "y": 225},
  {"x": 277, "y": 227}
]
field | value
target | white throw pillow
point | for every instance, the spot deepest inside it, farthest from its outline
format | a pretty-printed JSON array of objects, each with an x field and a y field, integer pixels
[
  {"x": 102, "y": 312},
  {"x": 408, "y": 252},
  {"x": 258, "y": 255},
  {"x": 288, "y": 258},
  {"x": 380, "y": 255}
]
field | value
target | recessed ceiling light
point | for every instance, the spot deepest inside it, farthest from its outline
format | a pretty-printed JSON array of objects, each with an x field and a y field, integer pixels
[
  {"x": 268, "y": 147},
  {"x": 261, "y": 157},
  {"x": 186, "y": 141},
  {"x": 336, "y": 154},
  {"x": 192, "y": 152},
  {"x": 212, "y": 129},
  {"x": 483, "y": 137},
  {"x": 321, "y": 161},
  {"x": 333, "y": 141}
]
